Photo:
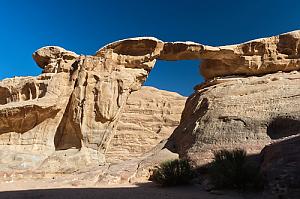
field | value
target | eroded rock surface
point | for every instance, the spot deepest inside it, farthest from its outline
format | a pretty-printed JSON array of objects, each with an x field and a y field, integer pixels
[
  {"x": 257, "y": 57},
  {"x": 280, "y": 166},
  {"x": 68, "y": 115},
  {"x": 252, "y": 58},
  {"x": 83, "y": 109},
  {"x": 76, "y": 102},
  {"x": 150, "y": 116},
  {"x": 238, "y": 113}
]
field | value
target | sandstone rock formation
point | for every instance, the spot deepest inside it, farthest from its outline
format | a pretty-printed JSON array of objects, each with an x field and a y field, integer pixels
[
  {"x": 257, "y": 57},
  {"x": 240, "y": 112},
  {"x": 76, "y": 101},
  {"x": 280, "y": 165},
  {"x": 80, "y": 111},
  {"x": 150, "y": 116}
]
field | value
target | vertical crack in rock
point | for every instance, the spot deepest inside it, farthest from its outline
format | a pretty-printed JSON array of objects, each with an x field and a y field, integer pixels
[
  {"x": 4, "y": 95},
  {"x": 68, "y": 134},
  {"x": 103, "y": 84}
]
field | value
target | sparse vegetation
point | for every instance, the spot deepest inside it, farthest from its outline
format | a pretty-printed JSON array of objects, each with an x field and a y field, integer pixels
[
  {"x": 172, "y": 173},
  {"x": 230, "y": 170}
]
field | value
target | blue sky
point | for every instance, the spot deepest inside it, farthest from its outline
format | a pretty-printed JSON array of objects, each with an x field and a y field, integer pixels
[{"x": 83, "y": 26}]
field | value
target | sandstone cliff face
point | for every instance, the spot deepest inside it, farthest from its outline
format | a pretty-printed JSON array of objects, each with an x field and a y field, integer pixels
[
  {"x": 62, "y": 121},
  {"x": 150, "y": 116},
  {"x": 75, "y": 103},
  {"x": 240, "y": 112}
]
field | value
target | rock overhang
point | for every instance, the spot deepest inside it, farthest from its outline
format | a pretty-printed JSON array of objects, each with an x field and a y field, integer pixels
[{"x": 48, "y": 54}]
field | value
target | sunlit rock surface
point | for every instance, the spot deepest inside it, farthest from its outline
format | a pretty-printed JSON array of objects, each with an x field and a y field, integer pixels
[{"x": 90, "y": 115}]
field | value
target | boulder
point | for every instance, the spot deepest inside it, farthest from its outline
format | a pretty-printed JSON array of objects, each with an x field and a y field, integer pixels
[
  {"x": 54, "y": 59},
  {"x": 280, "y": 166},
  {"x": 240, "y": 112}
]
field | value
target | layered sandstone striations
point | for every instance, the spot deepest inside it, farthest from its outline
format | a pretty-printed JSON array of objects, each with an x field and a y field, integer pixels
[
  {"x": 67, "y": 116},
  {"x": 150, "y": 115},
  {"x": 257, "y": 57},
  {"x": 240, "y": 112}
]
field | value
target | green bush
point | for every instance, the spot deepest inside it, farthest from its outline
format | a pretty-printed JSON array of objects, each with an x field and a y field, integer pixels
[
  {"x": 172, "y": 173},
  {"x": 231, "y": 170}
]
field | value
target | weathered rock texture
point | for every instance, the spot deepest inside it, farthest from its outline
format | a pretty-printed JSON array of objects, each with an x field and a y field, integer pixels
[
  {"x": 63, "y": 120},
  {"x": 76, "y": 101},
  {"x": 281, "y": 163},
  {"x": 150, "y": 115},
  {"x": 67, "y": 118},
  {"x": 238, "y": 113},
  {"x": 256, "y": 57}
]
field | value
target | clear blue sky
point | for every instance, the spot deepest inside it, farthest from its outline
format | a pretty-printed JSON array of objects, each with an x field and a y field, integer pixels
[{"x": 83, "y": 26}]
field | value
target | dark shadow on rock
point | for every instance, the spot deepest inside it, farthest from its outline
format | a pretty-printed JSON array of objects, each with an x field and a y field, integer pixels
[
  {"x": 25, "y": 118},
  {"x": 283, "y": 127},
  {"x": 181, "y": 140},
  {"x": 233, "y": 172},
  {"x": 280, "y": 165}
]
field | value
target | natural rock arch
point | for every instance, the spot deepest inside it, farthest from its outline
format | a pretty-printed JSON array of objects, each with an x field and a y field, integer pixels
[
  {"x": 63, "y": 121},
  {"x": 121, "y": 67},
  {"x": 90, "y": 91}
]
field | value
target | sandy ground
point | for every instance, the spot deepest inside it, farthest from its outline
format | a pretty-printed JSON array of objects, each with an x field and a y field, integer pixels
[{"x": 31, "y": 190}]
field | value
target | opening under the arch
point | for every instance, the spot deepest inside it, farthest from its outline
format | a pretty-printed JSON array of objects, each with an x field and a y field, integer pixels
[{"x": 178, "y": 76}]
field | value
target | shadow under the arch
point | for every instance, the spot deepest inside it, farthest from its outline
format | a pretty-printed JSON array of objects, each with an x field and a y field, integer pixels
[{"x": 179, "y": 76}]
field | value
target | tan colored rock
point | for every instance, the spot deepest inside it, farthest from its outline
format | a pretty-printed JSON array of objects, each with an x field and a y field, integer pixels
[
  {"x": 76, "y": 104},
  {"x": 150, "y": 116},
  {"x": 54, "y": 59},
  {"x": 238, "y": 113},
  {"x": 139, "y": 169},
  {"x": 32, "y": 109},
  {"x": 102, "y": 87},
  {"x": 66, "y": 119},
  {"x": 281, "y": 163},
  {"x": 257, "y": 57}
]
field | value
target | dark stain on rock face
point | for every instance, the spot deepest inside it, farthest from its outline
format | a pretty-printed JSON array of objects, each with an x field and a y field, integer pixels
[
  {"x": 4, "y": 95},
  {"x": 23, "y": 119},
  {"x": 135, "y": 47},
  {"x": 283, "y": 126}
]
